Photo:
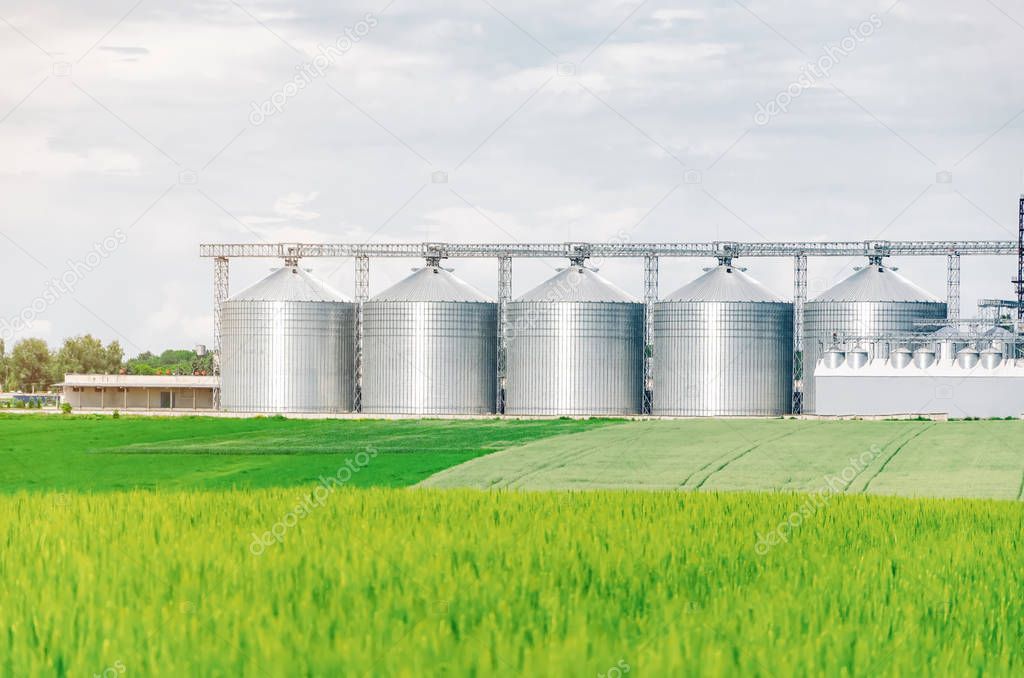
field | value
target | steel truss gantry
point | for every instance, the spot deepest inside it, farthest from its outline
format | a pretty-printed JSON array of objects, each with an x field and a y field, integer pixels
[
  {"x": 567, "y": 250},
  {"x": 580, "y": 251}
]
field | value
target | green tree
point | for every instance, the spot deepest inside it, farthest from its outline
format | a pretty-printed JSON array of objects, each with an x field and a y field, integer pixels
[
  {"x": 3, "y": 365},
  {"x": 176, "y": 361},
  {"x": 173, "y": 357},
  {"x": 87, "y": 355},
  {"x": 30, "y": 365},
  {"x": 115, "y": 357}
]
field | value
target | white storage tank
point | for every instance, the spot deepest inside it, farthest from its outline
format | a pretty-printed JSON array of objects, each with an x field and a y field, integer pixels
[
  {"x": 967, "y": 358},
  {"x": 900, "y": 357}
]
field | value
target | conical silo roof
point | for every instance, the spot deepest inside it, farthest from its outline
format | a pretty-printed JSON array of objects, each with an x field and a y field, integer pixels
[
  {"x": 997, "y": 333},
  {"x": 432, "y": 284},
  {"x": 578, "y": 284},
  {"x": 290, "y": 284},
  {"x": 947, "y": 332},
  {"x": 724, "y": 283},
  {"x": 876, "y": 283}
]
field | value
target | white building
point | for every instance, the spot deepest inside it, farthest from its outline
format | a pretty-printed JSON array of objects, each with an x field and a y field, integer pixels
[
  {"x": 972, "y": 384},
  {"x": 137, "y": 392}
]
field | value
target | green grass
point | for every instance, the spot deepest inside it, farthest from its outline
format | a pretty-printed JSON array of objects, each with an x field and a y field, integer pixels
[
  {"x": 981, "y": 459},
  {"x": 131, "y": 543},
  {"x": 384, "y": 582},
  {"x": 100, "y": 453}
]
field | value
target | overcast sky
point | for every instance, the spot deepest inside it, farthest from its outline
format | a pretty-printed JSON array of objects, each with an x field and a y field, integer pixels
[{"x": 137, "y": 129}]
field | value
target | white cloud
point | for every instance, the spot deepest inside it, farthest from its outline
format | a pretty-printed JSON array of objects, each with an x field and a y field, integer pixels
[
  {"x": 178, "y": 317},
  {"x": 287, "y": 209},
  {"x": 30, "y": 152},
  {"x": 640, "y": 56},
  {"x": 667, "y": 18},
  {"x": 38, "y": 328},
  {"x": 291, "y": 206},
  {"x": 430, "y": 84}
]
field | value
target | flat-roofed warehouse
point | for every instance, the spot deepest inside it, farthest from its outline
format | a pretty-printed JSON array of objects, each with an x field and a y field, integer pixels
[{"x": 137, "y": 392}]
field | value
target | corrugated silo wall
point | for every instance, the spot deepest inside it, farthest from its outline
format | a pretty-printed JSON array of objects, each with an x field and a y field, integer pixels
[
  {"x": 578, "y": 358},
  {"x": 857, "y": 318},
  {"x": 287, "y": 356},
  {"x": 723, "y": 358},
  {"x": 429, "y": 357}
]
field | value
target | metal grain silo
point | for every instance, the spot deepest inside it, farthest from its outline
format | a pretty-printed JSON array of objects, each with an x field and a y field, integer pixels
[
  {"x": 723, "y": 345},
  {"x": 430, "y": 347},
  {"x": 575, "y": 347},
  {"x": 873, "y": 302},
  {"x": 287, "y": 345}
]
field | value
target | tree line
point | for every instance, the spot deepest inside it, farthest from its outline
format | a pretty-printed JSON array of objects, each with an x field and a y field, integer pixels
[{"x": 32, "y": 366}]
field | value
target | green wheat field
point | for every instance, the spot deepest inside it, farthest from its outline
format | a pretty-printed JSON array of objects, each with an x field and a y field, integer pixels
[{"x": 272, "y": 547}]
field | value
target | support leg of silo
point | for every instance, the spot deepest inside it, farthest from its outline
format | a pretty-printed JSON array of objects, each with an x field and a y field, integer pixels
[
  {"x": 504, "y": 296},
  {"x": 799, "y": 298},
  {"x": 221, "y": 288},
  {"x": 953, "y": 286},
  {"x": 362, "y": 295},
  {"x": 650, "y": 297},
  {"x": 1019, "y": 281}
]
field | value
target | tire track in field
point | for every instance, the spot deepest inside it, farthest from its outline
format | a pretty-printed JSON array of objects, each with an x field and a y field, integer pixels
[
  {"x": 545, "y": 466},
  {"x": 893, "y": 455},
  {"x": 466, "y": 469},
  {"x": 890, "y": 441},
  {"x": 556, "y": 463},
  {"x": 507, "y": 481},
  {"x": 743, "y": 454},
  {"x": 703, "y": 467},
  {"x": 706, "y": 464},
  {"x": 1020, "y": 490}
]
